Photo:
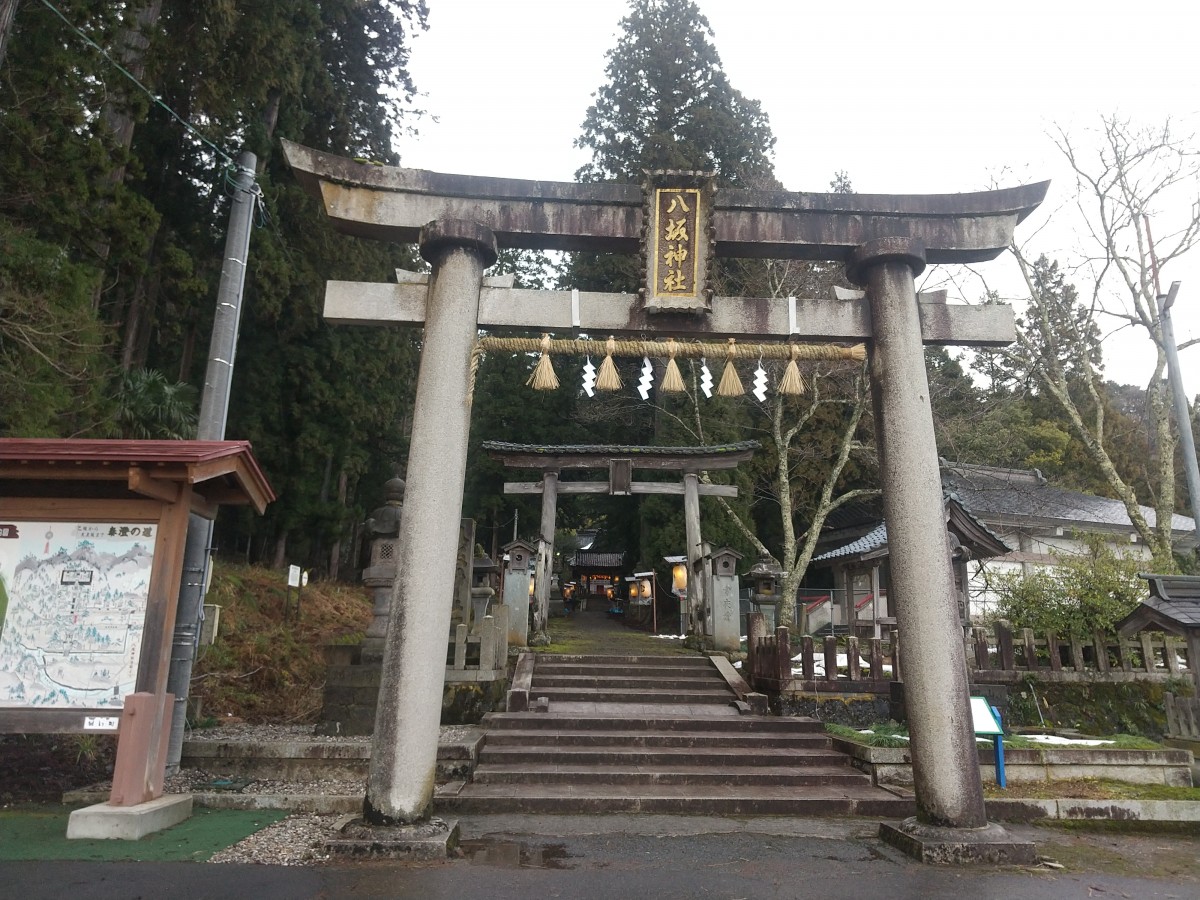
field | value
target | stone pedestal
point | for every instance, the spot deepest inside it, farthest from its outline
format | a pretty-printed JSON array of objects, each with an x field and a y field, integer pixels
[
  {"x": 988, "y": 845},
  {"x": 128, "y": 823},
  {"x": 432, "y": 839}
]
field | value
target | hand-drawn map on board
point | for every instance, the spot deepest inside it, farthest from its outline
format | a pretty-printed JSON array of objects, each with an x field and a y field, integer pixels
[{"x": 76, "y": 607}]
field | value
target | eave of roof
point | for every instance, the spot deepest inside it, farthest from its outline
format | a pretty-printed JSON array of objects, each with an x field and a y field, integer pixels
[{"x": 191, "y": 462}]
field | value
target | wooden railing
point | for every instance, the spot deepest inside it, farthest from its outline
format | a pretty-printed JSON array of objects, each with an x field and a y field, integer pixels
[
  {"x": 1006, "y": 654},
  {"x": 770, "y": 667},
  {"x": 999, "y": 655},
  {"x": 1183, "y": 716}
]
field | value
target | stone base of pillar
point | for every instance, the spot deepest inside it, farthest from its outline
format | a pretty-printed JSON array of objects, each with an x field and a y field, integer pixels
[
  {"x": 989, "y": 845},
  {"x": 428, "y": 840}
]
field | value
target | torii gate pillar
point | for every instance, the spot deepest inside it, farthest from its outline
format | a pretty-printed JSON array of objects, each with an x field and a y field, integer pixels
[
  {"x": 404, "y": 750},
  {"x": 945, "y": 767}
]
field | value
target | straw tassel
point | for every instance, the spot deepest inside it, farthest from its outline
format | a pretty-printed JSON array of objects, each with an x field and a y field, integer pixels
[
  {"x": 672, "y": 382},
  {"x": 608, "y": 379},
  {"x": 543, "y": 377},
  {"x": 792, "y": 382},
  {"x": 731, "y": 385}
]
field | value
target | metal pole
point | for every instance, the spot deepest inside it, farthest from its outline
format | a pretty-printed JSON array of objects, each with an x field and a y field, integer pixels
[
  {"x": 1183, "y": 416},
  {"x": 214, "y": 410}
]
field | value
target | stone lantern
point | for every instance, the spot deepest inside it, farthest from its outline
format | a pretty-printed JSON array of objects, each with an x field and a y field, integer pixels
[
  {"x": 766, "y": 576},
  {"x": 727, "y": 618},
  {"x": 383, "y": 526},
  {"x": 518, "y": 582}
]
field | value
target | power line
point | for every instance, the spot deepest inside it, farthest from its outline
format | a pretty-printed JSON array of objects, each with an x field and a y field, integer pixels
[{"x": 154, "y": 98}]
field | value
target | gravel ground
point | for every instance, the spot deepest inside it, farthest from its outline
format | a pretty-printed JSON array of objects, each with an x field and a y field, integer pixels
[{"x": 295, "y": 841}]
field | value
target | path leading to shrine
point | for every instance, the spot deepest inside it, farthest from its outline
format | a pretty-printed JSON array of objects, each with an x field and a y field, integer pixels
[{"x": 592, "y": 632}]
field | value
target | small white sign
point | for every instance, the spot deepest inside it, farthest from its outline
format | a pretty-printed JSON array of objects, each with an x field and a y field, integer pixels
[
  {"x": 984, "y": 719},
  {"x": 304, "y": 578},
  {"x": 100, "y": 723},
  {"x": 293, "y": 576}
]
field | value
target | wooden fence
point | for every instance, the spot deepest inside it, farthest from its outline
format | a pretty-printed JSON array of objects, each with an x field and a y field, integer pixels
[
  {"x": 1007, "y": 655},
  {"x": 999, "y": 655},
  {"x": 1183, "y": 716}
]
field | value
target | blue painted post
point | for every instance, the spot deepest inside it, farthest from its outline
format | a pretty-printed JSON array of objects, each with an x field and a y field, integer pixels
[{"x": 998, "y": 740}]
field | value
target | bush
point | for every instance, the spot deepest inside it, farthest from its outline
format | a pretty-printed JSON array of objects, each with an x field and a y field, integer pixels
[{"x": 1081, "y": 594}]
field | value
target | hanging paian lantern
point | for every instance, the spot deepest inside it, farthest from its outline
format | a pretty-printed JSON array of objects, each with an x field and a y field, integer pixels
[
  {"x": 647, "y": 590},
  {"x": 679, "y": 578}
]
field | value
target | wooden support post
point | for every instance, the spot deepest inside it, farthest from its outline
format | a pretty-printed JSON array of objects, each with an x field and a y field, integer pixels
[
  {"x": 807, "y": 662},
  {"x": 1123, "y": 653},
  {"x": 1053, "y": 648},
  {"x": 876, "y": 659},
  {"x": 852, "y": 659},
  {"x": 1077, "y": 654},
  {"x": 1147, "y": 652},
  {"x": 1030, "y": 644},
  {"x": 1169, "y": 657},
  {"x": 783, "y": 659},
  {"x": 1004, "y": 647},
  {"x": 897, "y": 674},
  {"x": 982, "y": 650},
  {"x": 1100, "y": 643},
  {"x": 141, "y": 749},
  {"x": 831, "y": 663}
]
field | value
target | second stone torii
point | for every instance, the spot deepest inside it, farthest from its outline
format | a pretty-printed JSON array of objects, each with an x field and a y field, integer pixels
[{"x": 621, "y": 461}]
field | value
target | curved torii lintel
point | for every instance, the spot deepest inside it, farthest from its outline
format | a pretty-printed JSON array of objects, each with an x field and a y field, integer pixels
[{"x": 393, "y": 203}]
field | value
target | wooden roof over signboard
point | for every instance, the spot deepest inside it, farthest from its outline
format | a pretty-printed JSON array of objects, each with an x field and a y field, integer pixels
[{"x": 220, "y": 472}]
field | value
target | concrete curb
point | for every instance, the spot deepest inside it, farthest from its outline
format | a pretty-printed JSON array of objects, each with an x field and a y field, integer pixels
[{"x": 1163, "y": 811}]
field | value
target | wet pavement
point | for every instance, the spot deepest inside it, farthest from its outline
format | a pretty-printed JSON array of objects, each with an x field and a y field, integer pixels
[{"x": 658, "y": 857}]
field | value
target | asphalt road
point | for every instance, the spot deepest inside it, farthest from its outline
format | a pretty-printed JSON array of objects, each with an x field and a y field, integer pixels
[{"x": 634, "y": 857}]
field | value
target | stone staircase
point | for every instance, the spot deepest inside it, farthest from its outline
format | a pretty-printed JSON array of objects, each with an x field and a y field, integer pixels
[{"x": 657, "y": 735}]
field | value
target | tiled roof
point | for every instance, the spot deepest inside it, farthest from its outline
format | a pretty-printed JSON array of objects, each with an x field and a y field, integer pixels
[
  {"x": 873, "y": 540},
  {"x": 619, "y": 449},
  {"x": 1023, "y": 495},
  {"x": 589, "y": 560}
]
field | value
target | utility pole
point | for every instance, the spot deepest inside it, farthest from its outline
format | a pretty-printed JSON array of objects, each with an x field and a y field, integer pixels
[{"x": 214, "y": 411}]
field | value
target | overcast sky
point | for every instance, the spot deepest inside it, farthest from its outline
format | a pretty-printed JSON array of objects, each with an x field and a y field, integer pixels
[{"x": 918, "y": 97}]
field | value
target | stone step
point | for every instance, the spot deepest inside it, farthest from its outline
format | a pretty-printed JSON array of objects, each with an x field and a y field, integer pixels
[
  {"x": 316, "y": 760},
  {"x": 720, "y": 696},
  {"x": 722, "y": 800},
  {"x": 493, "y": 722},
  {"x": 543, "y": 669},
  {"x": 568, "y": 737},
  {"x": 789, "y": 776},
  {"x": 660, "y": 756},
  {"x": 624, "y": 662},
  {"x": 618, "y": 682}
]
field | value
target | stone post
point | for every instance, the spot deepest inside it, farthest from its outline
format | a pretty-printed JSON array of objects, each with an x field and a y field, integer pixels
[
  {"x": 697, "y": 584},
  {"x": 404, "y": 744},
  {"x": 546, "y": 548},
  {"x": 949, "y": 792}
]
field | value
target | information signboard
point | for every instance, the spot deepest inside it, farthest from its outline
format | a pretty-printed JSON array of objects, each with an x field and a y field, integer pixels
[{"x": 72, "y": 626}]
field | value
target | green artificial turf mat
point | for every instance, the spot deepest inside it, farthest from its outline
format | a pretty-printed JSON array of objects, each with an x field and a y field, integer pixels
[{"x": 40, "y": 832}]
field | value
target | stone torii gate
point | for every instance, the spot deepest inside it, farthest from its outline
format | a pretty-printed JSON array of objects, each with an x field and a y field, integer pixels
[
  {"x": 621, "y": 461},
  {"x": 884, "y": 240}
]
